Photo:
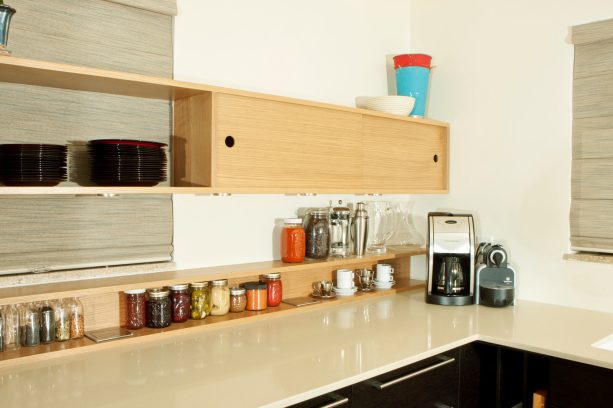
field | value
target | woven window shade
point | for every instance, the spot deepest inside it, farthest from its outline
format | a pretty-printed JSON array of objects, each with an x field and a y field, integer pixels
[
  {"x": 65, "y": 232},
  {"x": 591, "y": 214},
  {"x": 168, "y": 7}
]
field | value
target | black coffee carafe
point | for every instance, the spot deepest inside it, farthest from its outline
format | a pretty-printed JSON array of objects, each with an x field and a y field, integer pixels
[{"x": 450, "y": 277}]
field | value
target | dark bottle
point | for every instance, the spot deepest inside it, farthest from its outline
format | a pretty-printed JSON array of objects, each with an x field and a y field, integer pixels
[
  {"x": 47, "y": 324},
  {"x": 159, "y": 309},
  {"x": 318, "y": 235}
]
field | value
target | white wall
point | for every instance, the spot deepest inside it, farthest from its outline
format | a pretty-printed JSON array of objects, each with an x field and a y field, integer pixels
[
  {"x": 504, "y": 82},
  {"x": 329, "y": 51}
]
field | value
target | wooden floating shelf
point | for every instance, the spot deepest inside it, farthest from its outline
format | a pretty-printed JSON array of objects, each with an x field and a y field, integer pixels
[
  {"x": 87, "y": 287},
  {"x": 26, "y": 355}
]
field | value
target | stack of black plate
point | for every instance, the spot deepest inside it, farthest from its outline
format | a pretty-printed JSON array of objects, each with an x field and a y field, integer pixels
[
  {"x": 118, "y": 162},
  {"x": 32, "y": 164}
]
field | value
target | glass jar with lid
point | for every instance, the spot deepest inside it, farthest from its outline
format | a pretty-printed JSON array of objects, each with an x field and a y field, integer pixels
[
  {"x": 77, "y": 319},
  {"x": 200, "y": 307},
  {"x": 274, "y": 288},
  {"x": 47, "y": 323},
  {"x": 136, "y": 308},
  {"x": 180, "y": 303},
  {"x": 61, "y": 314},
  {"x": 238, "y": 299},
  {"x": 11, "y": 328},
  {"x": 318, "y": 235},
  {"x": 256, "y": 295},
  {"x": 292, "y": 240},
  {"x": 220, "y": 297},
  {"x": 159, "y": 308},
  {"x": 29, "y": 322}
]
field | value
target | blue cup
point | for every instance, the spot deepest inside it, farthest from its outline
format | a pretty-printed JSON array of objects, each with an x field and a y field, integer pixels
[{"x": 413, "y": 79}]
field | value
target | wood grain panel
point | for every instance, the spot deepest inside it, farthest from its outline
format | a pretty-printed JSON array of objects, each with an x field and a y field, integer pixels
[
  {"x": 591, "y": 219},
  {"x": 593, "y": 96},
  {"x": 281, "y": 144},
  {"x": 593, "y": 137},
  {"x": 400, "y": 154},
  {"x": 591, "y": 179},
  {"x": 592, "y": 32},
  {"x": 168, "y": 7},
  {"x": 192, "y": 142},
  {"x": 103, "y": 310},
  {"x": 593, "y": 59}
]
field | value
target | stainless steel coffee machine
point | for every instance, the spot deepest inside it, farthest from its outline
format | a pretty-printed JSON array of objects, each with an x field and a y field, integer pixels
[{"x": 451, "y": 259}]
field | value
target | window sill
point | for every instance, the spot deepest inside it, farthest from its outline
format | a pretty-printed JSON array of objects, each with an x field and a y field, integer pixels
[{"x": 594, "y": 257}]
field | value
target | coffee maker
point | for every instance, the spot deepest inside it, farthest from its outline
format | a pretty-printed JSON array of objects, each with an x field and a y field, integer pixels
[{"x": 451, "y": 259}]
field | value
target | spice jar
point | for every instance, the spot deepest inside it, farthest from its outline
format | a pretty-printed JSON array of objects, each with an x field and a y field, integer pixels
[
  {"x": 11, "y": 328},
  {"x": 61, "y": 314},
  {"x": 159, "y": 309},
  {"x": 274, "y": 289},
  {"x": 238, "y": 300},
  {"x": 256, "y": 295},
  {"x": 318, "y": 235},
  {"x": 30, "y": 325},
  {"x": 292, "y": 241},
  {"x": 1, "y": 330},
  {"x": 180, "y": 303},
  {"x": 47, "y": 323},
  {"x": 77, "y": 319},
  {"x": 220, "y": 297},
  {"x": 200, "y": 300},
  {"x": 136, "y": 308}
]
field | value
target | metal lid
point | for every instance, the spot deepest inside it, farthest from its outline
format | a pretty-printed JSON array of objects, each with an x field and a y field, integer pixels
[
  {"x": 182, "y": 286},
  {"x": 292, "y": 221},
  {"x": 274, "y": 275},
  {"x": 237, "y": 291},
  {"x": 319, "y": 212},
  {"x": 341, "y": 210},
  {"x": 158, "y": 293},
  {"x": 134, "y": 291},
  {"x": 254, "y": 285},
  {"x": 199, "y": 285},
  {"x": 219, "y": 282}
]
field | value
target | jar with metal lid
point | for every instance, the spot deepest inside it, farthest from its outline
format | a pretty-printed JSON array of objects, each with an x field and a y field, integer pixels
[
  {"x": 77, "y": 319},
  {"x": 61, "y": 314},
  {"x": 238, "y": 299},
  {"x": 318, "y": 235},
  {"x": 47, "y": 323},
  {"x": 200, "y": 307},
  {"x": 159, "y": 308},
  {"x": 220, "y": 297},
  {"x": 256, "y": 295},
  {"x": 292, "y": 241},
  {"x": 274, "y": 289},
  {"x": 180, "y": 303},
  {"x": 1, "y": 329},
  {"x": 136, "y": 308},
  {"x": 29, "y": 323},
  {"x": 10, "y": 317}
]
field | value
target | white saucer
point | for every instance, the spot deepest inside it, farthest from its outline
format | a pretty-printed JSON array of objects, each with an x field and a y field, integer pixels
[
  {"x": 345, "y": 291},
  {"x": 384, "y": 285}
]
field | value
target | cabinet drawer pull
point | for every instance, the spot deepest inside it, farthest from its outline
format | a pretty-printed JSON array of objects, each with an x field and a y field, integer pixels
[
  {"x": 336, "y": 403},
  {"x": 379, "y": 385}
]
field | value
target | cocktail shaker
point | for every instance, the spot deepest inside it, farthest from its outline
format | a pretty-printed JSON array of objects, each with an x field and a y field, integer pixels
[{"x": 360, "y": 230}]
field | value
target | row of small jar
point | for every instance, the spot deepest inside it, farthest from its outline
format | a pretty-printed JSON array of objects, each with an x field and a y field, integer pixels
[
  {"x": 31, "y": 324},
  {"x": 157, "y": 308}
]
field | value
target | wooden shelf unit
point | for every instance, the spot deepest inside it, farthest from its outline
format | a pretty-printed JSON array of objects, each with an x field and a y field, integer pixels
[
  {"x": 98, "y": 295},
  {"x": 266, "y": 128}
]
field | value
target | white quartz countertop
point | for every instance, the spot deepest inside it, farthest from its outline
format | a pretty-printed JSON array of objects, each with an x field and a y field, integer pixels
[{"x": 288, "y": 359}]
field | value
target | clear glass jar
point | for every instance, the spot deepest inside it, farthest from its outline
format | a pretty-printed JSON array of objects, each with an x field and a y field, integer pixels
[
  {"x": 256, "y": 295},
  {"x": 180, "y": 303},
  {"x": 29, "y": 323},
  {"x": 47, "y": 323},
  {"x": 292, "y": 241},
  {"x": 11, "y": 328},
  {"x": 136, "y": 308},
  {"x": 318, "y": 235},
  {"x": 200, "y": 307},
  {"x": 159, "y": 309},
  {"x": 274, "y": 289},
  {"x": 220, "y": 297},
  {"x": 77, "y": 319},
  {"x": 238, "y": 300},
  {"x": 61, "y": 314},
  {"x": 1, "y": 329}
]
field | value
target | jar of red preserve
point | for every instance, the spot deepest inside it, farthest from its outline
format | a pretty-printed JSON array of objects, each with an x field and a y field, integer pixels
[
  {"x": 274, "y": 288},
  {"x": 181, "y": 300},
  {"x": 292, "y": 241}
]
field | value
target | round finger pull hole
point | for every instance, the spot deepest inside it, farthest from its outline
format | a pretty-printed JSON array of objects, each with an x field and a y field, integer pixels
[
  {"x": 229, "y": 141},
  {"x": 435, "y": 158}
]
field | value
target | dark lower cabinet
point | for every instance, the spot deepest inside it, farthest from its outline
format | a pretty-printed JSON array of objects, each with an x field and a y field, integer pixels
[
  {"x": 432, "y": 383},
  {"x": 339, "y": 398}
]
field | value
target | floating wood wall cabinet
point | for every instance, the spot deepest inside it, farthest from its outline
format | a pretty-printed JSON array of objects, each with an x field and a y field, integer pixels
[{"x": 234, "y": 141}]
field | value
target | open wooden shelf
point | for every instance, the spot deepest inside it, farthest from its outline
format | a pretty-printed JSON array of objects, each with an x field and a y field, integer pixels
[{"x": 72, "y": 347}]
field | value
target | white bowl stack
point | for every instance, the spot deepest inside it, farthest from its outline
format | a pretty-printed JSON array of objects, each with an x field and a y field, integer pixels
[{"x": 392, "y": 104}]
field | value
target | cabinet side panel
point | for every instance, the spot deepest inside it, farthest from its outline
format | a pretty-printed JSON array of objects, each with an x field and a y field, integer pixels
[
  {"x": 404, "y": 156},
  {"x": 192, "y": 149}
]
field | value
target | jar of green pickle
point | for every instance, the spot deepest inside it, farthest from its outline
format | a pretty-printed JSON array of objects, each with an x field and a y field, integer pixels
[{"x": 200, "y": 307}]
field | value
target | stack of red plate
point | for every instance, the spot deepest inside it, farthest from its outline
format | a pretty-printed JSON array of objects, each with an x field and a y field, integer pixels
[
  {"x": 121, "y": 162},
  {"x": 32, "y": 164}
]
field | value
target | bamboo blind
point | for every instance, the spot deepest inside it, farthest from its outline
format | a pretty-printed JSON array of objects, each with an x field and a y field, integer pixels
[
  {"x": 64, "y": 232},
  {"x": 591, "y": 214}
]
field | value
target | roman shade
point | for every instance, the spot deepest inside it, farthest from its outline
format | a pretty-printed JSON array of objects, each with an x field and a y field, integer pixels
[
  {"x": 591, "y": 214},
  {"x": 66, "y": 232}
]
